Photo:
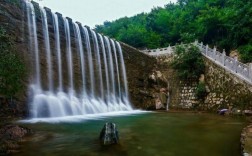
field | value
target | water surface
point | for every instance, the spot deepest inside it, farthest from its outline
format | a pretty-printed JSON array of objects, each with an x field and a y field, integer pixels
[{"x": 151, "y": 134}]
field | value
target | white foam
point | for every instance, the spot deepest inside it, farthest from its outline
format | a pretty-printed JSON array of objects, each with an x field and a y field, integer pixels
[{"x": 82, "y": 118}]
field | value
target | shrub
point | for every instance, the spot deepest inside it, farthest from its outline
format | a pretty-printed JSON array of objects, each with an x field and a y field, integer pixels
[
  {"x": 201, "y": 91},
  {"x": 245, "y": 53},
  {"x": 188, "y": 62}
]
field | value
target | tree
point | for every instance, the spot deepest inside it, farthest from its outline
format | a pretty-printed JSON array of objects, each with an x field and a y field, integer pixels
[
  {"x": 224, "y": 23},
  {"x": 188, "y": 62},
  {"x": 135, "y": 35}
]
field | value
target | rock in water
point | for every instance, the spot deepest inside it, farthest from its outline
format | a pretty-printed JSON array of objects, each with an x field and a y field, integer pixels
[
  {"x": 109, "y": 134},
  {"x": 10, "y": 136}
]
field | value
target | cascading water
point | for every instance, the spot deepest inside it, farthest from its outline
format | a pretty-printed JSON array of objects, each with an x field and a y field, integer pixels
[
  {"x": 47, "y": 48},
  {"x": 58, "y": 49},
  {"x": 117, "y": 69},
  {"x": 105, "y": 66},
  {"x": 126, "y": 96},
  {"x": 90, "y": 61},
  {"x": 111, "y": 70},
  {"x": 98, "y": 63},
  {"x": 33, "y": 40},
  {"x": 82, "y": 59},
  {"x": 98, "y": 89},
  {"x": 69, "y": 55}
]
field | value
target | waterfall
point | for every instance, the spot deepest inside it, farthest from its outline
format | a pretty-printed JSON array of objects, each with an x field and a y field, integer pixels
[
  {"x": 80, "y": 47},
  {"x": 98, "y": 63},
  {"x": 90, "y": 61},
  {"x": 69, "y": 54},
  {"x": 93, "y": 71},
  {"x": 117, "y": 69},
  {"x": 58, "y": 49},
  {"x": 33, "y": 40},
  {"x": 126, "y": 96},
  {"x": 111, "y": 70},
  {"x": 47, "y": 48},
  {"x": 105, "y": 66}
]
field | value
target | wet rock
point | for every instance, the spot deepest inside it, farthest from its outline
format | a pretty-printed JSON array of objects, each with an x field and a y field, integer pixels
[
  {"x": 223, "y": 111},
  {"x": 10, "y": 136},
  {"x": 247, "y": 112},
  {"x": 109, "y": 134}
]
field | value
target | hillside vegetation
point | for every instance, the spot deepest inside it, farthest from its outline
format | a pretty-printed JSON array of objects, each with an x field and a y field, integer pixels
[{"x": 225, "y": 23}]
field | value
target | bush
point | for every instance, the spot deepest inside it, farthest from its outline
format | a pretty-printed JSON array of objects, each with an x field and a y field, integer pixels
[
  {"x": 245, "y": 53},
  {"x": 201, "y": 91},
  {"x": 188, "y": 62}
]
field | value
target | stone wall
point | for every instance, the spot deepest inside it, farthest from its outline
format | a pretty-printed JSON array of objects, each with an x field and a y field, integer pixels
[
  {"x": 181, "y": 93},
  {"x": 12, "y": 19},
  {"x": 226, "y": 89},
  {"x": 139, "y": 67},
  {"x": 187, "y": 96}
]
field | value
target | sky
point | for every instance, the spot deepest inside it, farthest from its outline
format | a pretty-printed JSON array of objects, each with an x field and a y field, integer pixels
[{"x": 93, "y": 12}]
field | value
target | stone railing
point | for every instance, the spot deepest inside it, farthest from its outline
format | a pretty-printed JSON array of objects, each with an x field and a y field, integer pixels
[
  {"x": 160, "y": 51},
  {"x": 232, "y": 65}
]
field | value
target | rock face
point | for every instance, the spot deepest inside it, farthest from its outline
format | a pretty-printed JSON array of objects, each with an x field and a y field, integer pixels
[
  {"x": 12, "y": 19},
  {"x": 10, "y": 136},
  {"x": 109, "y": 134}
]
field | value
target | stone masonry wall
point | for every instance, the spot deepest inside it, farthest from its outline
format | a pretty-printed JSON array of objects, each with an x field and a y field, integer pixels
[
  {"x": 225, "y": 89},
  {"x": 187, "y": 95},
  {"x": 181, "y": 93}
]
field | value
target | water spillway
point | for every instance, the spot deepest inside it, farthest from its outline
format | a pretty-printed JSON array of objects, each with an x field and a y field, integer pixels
[{"x": 76, "y": 71}]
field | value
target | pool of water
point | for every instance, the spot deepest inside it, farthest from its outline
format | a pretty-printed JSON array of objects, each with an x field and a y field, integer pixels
[{"x": 149, "y": 134}]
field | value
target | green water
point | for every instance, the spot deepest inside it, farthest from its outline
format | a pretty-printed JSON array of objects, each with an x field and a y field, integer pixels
[{"x": 152, "y": 134}]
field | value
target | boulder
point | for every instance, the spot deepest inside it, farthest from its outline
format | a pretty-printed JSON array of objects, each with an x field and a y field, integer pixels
[
  {"x": 10, "y": 136},
  {"x": 109, "y": 134},
  {"x": 222, "y": 111},
  {"x": 159, "y": 104},
  {"x": 247, "y": 112}
]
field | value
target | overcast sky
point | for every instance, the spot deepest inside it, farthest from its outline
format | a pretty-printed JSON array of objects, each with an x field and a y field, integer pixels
[{"x": 92, "y": 12}]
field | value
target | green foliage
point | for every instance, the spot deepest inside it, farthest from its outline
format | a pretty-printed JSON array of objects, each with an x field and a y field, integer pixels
[
  {"x": 201, "y": 91},
  {"x": 224, "y": 23},
  {"x": 245, "y": 53},
  {"x": 188, "y": 62},
  {"x": 11, "y": 67},
  {"x": 135, "y": 35}
]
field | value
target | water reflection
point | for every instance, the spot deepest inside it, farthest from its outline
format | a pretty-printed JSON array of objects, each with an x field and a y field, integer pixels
[{"x": 164, "y": 134}]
